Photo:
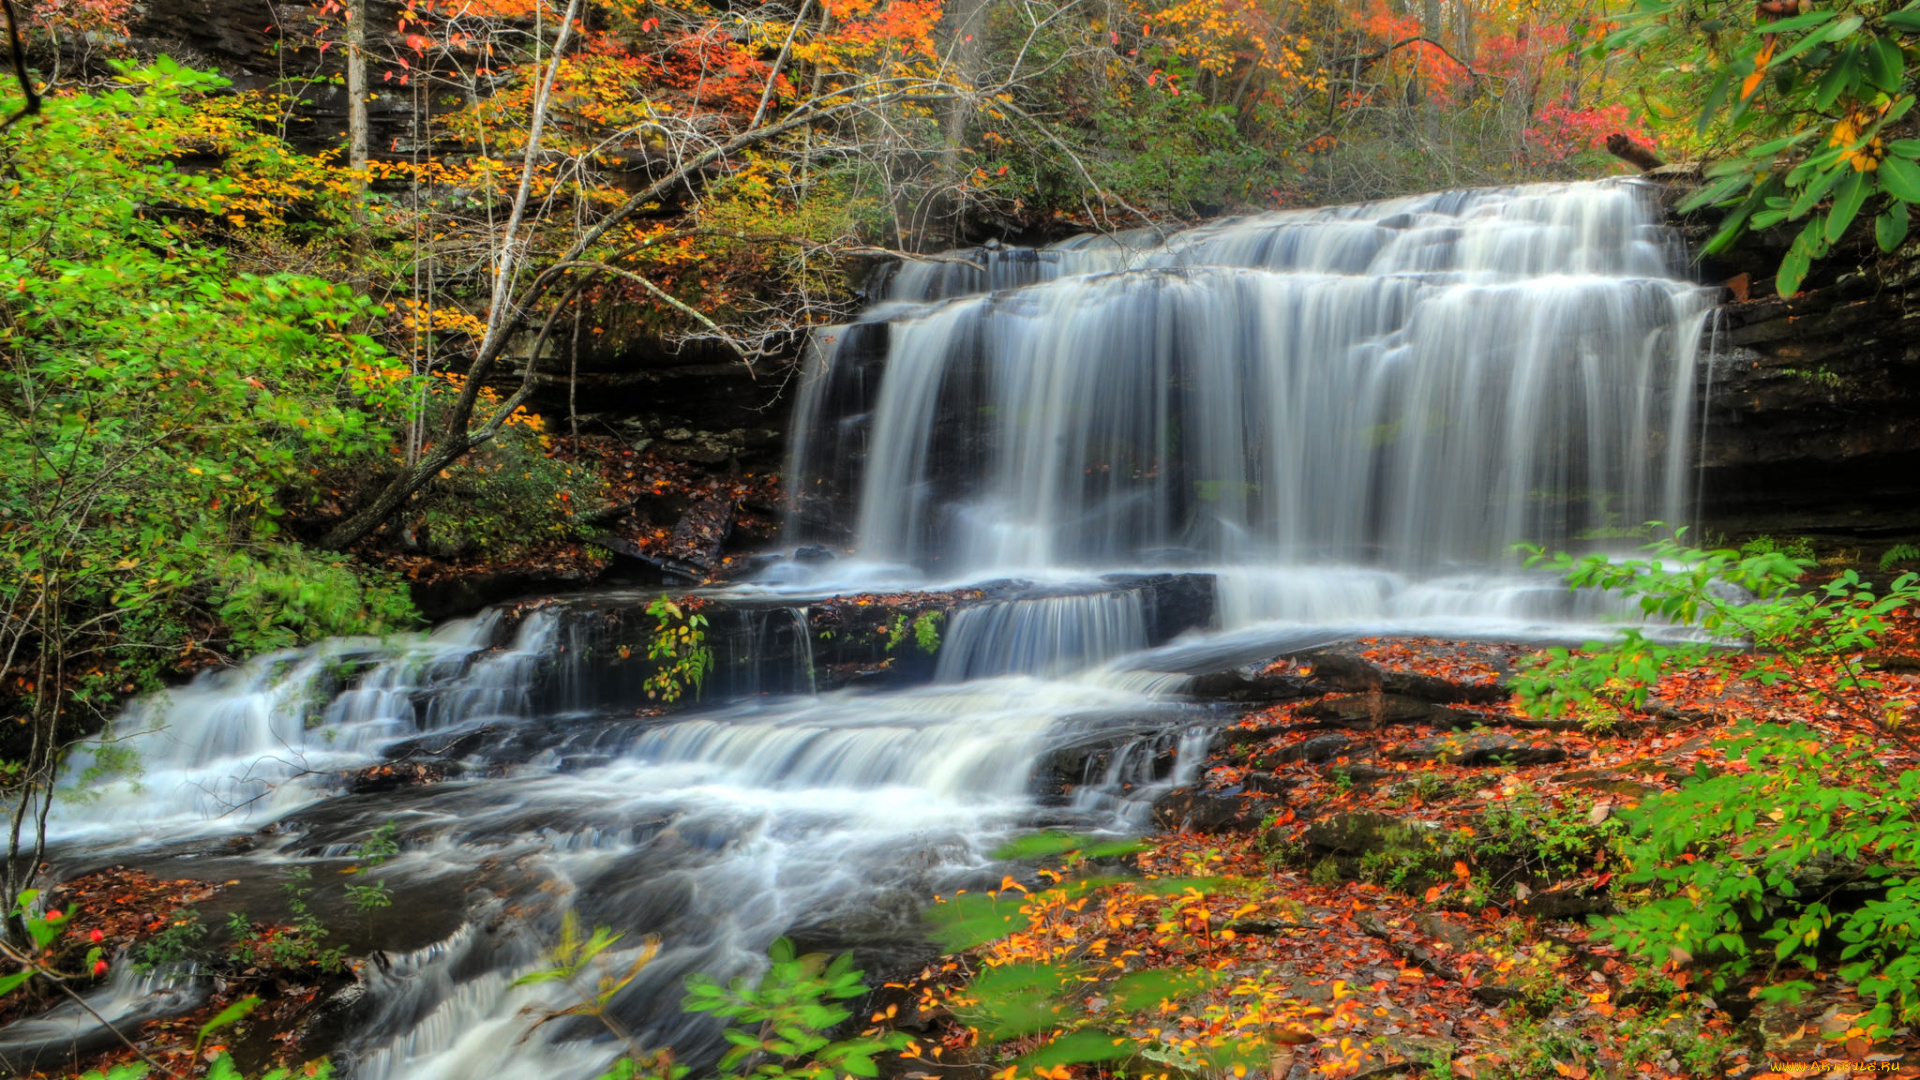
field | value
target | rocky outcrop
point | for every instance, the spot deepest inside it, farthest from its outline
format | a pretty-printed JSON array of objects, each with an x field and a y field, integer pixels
[{"x": 1812, "y": 403}]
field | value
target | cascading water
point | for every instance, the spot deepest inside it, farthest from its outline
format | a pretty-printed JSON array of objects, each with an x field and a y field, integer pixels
[
  {"x": 1338, "y": 418},
  {"x": 1412, "y": 385}
]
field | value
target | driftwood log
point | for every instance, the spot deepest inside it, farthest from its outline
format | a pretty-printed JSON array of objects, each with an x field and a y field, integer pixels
[{"x": 1624, "y": 148}]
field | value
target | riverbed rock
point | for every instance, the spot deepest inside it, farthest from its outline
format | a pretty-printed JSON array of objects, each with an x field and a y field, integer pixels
[
  {"x": 1248, "y": 683},
  {"x": 701, "y": 533},
  {"x": 1266, "y": 783},
  {"x": 1199, "y": 811},
  {"x": 1337, "y": 669},
  {"x": 1476, "y": 749},
  {"x": 1318, "y": 750},
  {"x": 1360, "y": 831},
  {"x": 1373, "y": 710}
]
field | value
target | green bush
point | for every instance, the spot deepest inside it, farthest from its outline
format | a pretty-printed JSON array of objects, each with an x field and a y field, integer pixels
[
  {"x": 1814, "y": 639},
  {"x": 1805, "y": 851},
  {"x": 1793, "y": 547},
  {"x": 508, "y": 497}
]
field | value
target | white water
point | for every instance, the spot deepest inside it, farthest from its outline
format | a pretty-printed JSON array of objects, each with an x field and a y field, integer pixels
[
  {"x": 1413, "y": 386},
  {"x": 1344, "y": 416}
]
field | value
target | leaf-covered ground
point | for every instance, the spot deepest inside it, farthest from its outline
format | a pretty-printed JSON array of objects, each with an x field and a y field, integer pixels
[{"x": 1406, "y": 870}]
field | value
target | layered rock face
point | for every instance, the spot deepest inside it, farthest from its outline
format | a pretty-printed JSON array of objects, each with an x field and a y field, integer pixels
[{"x": 1812, "y": 402}]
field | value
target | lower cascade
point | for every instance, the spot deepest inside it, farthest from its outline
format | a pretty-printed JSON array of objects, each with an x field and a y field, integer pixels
[{"x": 1147, "y": 457}]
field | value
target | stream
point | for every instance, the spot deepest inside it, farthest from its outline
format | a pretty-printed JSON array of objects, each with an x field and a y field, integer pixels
[{"x": 1157, "y": 456}]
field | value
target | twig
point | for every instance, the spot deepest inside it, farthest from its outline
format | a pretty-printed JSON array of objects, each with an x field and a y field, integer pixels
[
  {"x": 80, "y": 1001},
  {"x": 1472, "y": 71}
]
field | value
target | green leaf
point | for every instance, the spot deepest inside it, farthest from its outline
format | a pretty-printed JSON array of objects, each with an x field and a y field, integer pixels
[
  {"x": 1716, "y": 96},
  {"x": 1886, "y": 65},
  {"x": 9, "y": 983},
  {"x": 1140, "y": 991},
  {"x": 1800, "y": 22},
  {"x": 1906, "y": 21},
  {"x": 1039, "y": 845},
  {"x": 232, "y": 1014},
  {"x": 1890, "y": 228},
  {"x": 1839, "y": 79},
  {"x": 1078, "y": 1048},
  {"x": 1811, "y": 195},
  {"x": 1793, "y": 270},
  {"x": 970, "y": 921},
  {"x": 1901, "y": 178},
  {"x": 1847, "y": 200},
  {"x": 1020, "y": 999}
]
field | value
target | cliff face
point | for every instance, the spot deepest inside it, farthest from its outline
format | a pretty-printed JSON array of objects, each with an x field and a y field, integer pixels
[{"x": 1813, "y": 402}]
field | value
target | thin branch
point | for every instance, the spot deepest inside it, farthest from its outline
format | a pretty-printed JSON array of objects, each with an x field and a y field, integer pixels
[{"x": 1362, "y": 58}]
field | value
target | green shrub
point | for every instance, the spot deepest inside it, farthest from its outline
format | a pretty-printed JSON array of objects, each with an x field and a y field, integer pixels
[
  {"x": 507, "y": 497},
  {"x": 1813, "y": 639},
  {"x": 679, "y": 646},
  {"x": 1793, "y": 547},
  {"x": 1806, "y": 850}
]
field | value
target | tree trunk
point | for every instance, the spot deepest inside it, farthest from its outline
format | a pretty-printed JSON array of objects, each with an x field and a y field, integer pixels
[{"x": 357, "y": 129}]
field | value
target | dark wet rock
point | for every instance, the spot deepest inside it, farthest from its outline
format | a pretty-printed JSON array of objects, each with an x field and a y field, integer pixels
[
  {"x": 1365, "y": 774},
  {"x": 1318, "y": 750},
  {"x": 1335, "y": 670},
  {"x": 1248, "y": 683},
  {"x": 444, "y": 746},
  {"x": 1229, "y": 737},
  {"x": 1410, "y": 952},
  {"x": 701, "y": 534},
  {"x": 1477, "y": 748},
  {"x": 1268, "y": 784},
  {"x": 1355, "y": 710},
  {"x": 461, "y": 595},
  {"x": 1496, "y": 995},
  {"x": 1360, "y": 831},
  {"x": 1195, "y": 810},
  {"x": 1089, "y": 762},
  {"x": 1445, "y": 929},
  {"x": 399, "y": 774},
  {"x": 1175, "y": 603}
]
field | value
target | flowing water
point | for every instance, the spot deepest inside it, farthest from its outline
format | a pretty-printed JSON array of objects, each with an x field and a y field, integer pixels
[{"x": 1315, "y": 423}]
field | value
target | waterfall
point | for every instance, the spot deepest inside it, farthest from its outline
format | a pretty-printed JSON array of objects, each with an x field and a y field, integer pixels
[
  {"x": 1412, "y": 385},
  {"x": 1049, "y": 635},
  {"x": 1323, "y": 420}
]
